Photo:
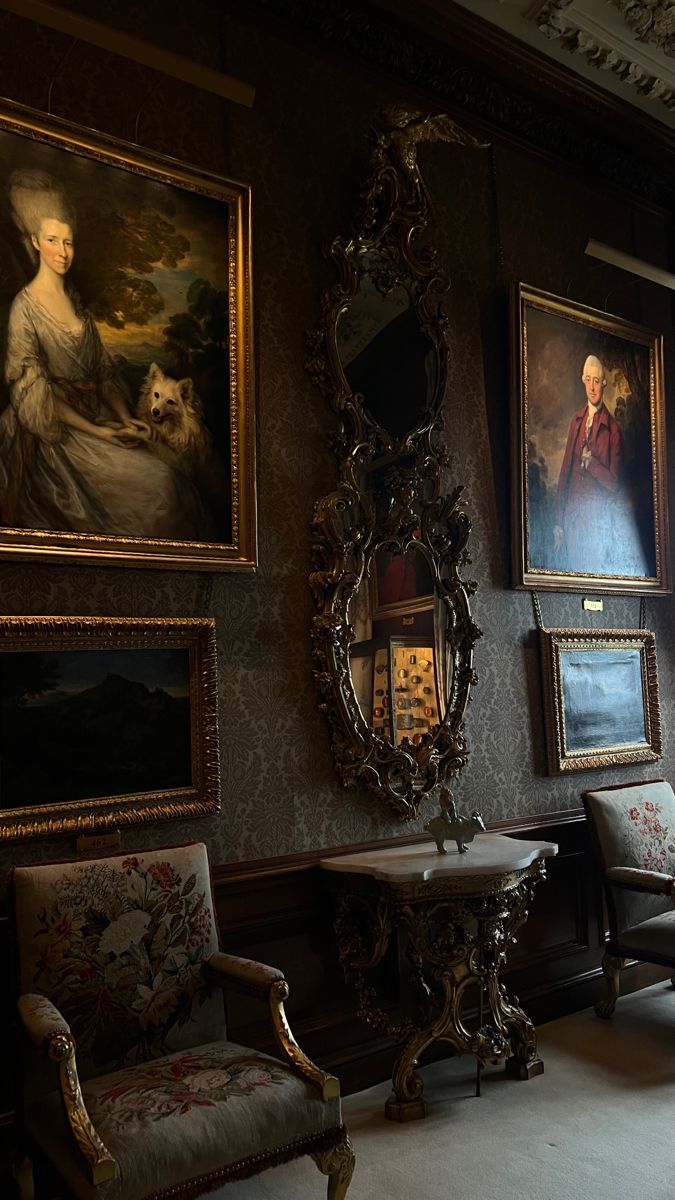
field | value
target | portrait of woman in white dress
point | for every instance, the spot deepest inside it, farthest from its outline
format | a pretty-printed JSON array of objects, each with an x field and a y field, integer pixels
[{"x": 73, "y": 456}]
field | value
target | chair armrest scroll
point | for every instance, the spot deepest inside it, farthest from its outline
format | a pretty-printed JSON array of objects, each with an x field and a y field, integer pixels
[
  {"x": 42, "y": 1021},
  {"x": 257, "y": 979},
  {"x": 636, "y": 880},
  {"x": 243, "y": 974},
  {"x": 328, "y": 1084},
  {"x": 51, "y": 1034}
]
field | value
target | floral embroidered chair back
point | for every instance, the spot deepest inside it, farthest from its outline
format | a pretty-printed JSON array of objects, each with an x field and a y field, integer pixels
[
  {"x": 635, "y": 827},
  {"x": 117, "y": 944}
]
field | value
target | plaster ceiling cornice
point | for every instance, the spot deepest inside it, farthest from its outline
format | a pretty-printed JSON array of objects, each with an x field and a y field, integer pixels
[
  {"x": 651, "y": 22},
  {"x": 636, "y": 46},
  {"x": 503, "y": 83}
]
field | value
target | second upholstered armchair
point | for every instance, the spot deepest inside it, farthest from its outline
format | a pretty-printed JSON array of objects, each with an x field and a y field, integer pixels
[{"x": 633, "y": 829}]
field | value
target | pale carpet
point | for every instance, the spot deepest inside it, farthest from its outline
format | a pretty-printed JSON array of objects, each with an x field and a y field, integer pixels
[{"x": 597, "y": 1125}]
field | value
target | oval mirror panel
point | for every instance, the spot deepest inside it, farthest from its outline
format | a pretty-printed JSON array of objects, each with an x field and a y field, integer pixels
[
  {"x": 394, "y": 655},
  {"x": 387, "y": 358}
]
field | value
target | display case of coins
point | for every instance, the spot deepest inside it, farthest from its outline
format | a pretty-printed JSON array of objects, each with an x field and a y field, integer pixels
[
  {"x": 414, "y": 683},
  {"x": 395, "y": 686}
]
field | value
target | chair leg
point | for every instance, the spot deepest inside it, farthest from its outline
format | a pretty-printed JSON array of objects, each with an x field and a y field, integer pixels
[
  {"x": 23, "y": 1179},
  {"x": 338, "y": 1165},
  {"x": 611, "y": 969}
]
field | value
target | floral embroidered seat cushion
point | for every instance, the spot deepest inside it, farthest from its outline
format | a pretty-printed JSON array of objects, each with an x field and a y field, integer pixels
[
  {"x": 635, "y": 827},
  {"x": 197, "y": 1115}
]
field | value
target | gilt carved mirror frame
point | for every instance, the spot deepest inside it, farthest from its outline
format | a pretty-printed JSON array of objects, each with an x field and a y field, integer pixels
[{"x": 389, "y": 499}]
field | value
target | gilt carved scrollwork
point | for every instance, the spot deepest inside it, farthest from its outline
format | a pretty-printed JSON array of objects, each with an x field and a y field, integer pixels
[
  {"x": 454, "y": 933},
  {"x": 379, "y": 355}
]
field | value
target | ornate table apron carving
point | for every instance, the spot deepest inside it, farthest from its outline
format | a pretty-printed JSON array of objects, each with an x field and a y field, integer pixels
[{"x": 455, "y": 921}]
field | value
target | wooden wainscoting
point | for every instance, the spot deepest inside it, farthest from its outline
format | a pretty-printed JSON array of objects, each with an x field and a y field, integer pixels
[{"x": 281, "y": 912}]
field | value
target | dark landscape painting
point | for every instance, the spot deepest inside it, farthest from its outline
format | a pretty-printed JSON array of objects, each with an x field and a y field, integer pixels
[{"x": 85, "y": 724}]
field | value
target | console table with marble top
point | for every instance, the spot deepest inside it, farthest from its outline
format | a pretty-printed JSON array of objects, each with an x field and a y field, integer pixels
[{"x": 455, "y": 915}]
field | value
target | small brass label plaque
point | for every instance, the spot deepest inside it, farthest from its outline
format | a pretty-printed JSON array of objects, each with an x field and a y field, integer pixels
[
  {"x": 99, "y": 841},
  {"x": 592, "y": 605}
]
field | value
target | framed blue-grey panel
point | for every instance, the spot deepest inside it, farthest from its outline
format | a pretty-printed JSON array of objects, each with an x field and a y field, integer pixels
[{"x": 601, "y": 699}]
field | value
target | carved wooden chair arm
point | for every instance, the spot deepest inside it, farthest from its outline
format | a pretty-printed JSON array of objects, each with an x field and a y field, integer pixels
[
  {"x": 260, "y": 980},
  {"x": 48, "y": 1030},
  {"x": 634, "y": 879},
  {"x": 242, "y": 974},
  {"x": 42, "y": 1020}
]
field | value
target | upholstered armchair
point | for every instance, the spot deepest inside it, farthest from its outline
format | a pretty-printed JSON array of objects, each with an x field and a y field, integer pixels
[
  {"x": 130, "y": 1086},
  {"x": 633, "y": 829}
]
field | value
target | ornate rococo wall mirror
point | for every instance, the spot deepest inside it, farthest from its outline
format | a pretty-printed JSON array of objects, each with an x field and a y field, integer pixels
[{"x": 393, "y": 636}]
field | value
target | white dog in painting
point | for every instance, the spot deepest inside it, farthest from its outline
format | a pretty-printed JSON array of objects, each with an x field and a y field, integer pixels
[{"x": 173, "y": 413}]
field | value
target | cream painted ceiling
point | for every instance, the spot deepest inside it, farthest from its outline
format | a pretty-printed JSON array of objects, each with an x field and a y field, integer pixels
[{"x": 625, "y": 46}]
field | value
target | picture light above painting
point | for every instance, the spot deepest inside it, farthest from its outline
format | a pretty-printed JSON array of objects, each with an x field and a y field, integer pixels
[
  {"x": 126, "y": 401},
  {"x": 589, "y": 493}
]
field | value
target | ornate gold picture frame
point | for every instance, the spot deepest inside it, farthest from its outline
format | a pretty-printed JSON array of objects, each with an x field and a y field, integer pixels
[
  {"x": 601, "y": 698},
  {"x": 589, "y": 492},
  {"x": 126, "y": 394},
  {"x": 104, "y": 722}
]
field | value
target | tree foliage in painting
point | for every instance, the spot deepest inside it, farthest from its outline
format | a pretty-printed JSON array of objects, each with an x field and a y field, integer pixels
[
  {"x": 196, "y": 340},
  {"x": 119, "y": 253},
  {"x": 196, "y": 344},
  {"x": 26, "y": 676}
]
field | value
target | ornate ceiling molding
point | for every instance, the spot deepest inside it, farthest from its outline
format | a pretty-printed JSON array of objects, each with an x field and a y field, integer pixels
[
  {"x": 641, "y": 165},
  {"x": 652, "y": 21},
  {"x": 578, "y": 31}
]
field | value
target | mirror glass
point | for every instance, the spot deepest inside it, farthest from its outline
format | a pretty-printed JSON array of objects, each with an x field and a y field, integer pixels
[
  {"x": 386, "y": 356},
  {"x": 393, "y": 659}
]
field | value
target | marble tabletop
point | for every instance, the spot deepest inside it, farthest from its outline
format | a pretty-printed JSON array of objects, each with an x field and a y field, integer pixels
[{"x": 488, "y": 854}]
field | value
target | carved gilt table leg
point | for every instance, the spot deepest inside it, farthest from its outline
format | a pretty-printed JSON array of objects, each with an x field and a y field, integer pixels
[
  {"x": 455, "y": 926},
  {"x": 523, "y": 1063},
  {"x": 451, "y": 959}
]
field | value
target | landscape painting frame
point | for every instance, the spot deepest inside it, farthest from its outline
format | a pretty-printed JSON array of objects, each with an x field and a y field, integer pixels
[
  {"x": 125, "y": 709},
  {"x": 160, "y": 278},
  {"x": 589, "y": 494},
  {"x": 601, "y": 698}
]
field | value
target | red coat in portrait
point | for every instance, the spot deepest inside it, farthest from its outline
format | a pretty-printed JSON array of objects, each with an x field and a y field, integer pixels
[
  {"x": 585, "y": 508},
  {"x": 601, "y": 477}
]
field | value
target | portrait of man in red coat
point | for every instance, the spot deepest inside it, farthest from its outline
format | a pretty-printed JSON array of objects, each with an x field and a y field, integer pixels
[
  {"x": 591, "y": 449},
  {"x": 590, "y": 478}
]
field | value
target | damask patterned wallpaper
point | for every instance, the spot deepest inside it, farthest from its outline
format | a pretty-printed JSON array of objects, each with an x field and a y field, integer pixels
[{"x": 303, "y": 147}]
